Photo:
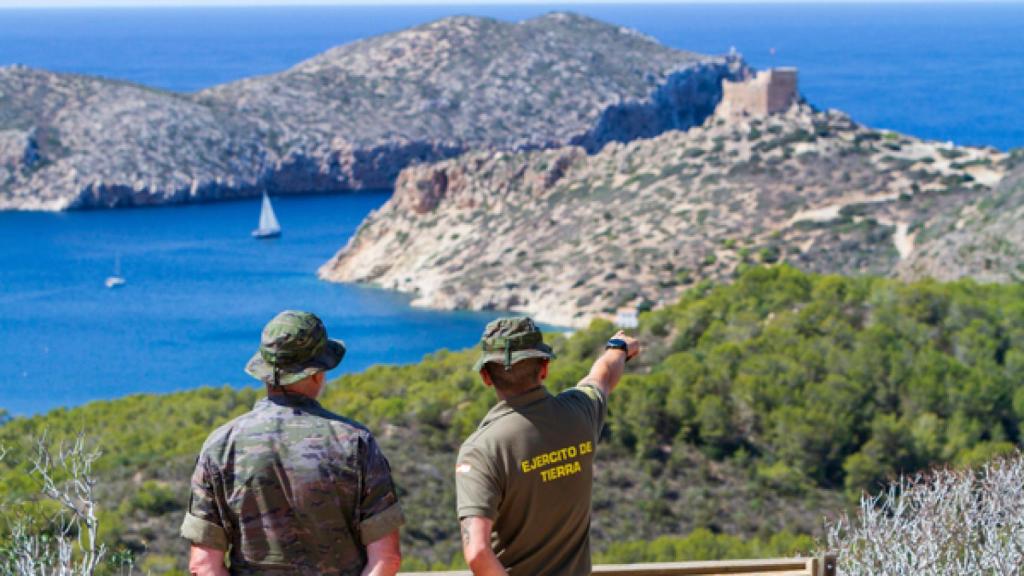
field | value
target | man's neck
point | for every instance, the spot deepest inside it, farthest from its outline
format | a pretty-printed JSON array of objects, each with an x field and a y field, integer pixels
[
  {"x": 309, "y": 388},
  {"x": 505, "y": 395},
  {"x": 283, "y": 392}
]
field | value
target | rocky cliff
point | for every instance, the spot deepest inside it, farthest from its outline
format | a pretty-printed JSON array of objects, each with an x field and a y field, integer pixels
[
  {"x": 350, "y": 118},
  {"x": 564, "y": 235}
]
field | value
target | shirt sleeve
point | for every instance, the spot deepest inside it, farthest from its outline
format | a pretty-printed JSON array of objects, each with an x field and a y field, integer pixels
[
  {"x": 594, "y": 402},
  {"x": 203, "y": 524},
  {"x": 477, "y": 490},
  {"x": 379, "y": 511}
]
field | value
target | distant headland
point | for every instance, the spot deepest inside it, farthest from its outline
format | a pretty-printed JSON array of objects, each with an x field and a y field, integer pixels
[{"x": 350, "y": 118}]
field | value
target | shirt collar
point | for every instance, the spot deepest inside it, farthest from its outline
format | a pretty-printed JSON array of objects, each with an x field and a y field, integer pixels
[
  {"x": 528, "y": 397},
  {"x": 287, "y": 400},
  {"x": 515, "y": 403}
]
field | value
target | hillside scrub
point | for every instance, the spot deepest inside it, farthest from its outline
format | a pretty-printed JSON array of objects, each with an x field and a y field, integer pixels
[{"x": 759, "y": 406}]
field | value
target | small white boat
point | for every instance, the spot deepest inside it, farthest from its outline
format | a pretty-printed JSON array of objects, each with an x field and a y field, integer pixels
[
  {"x": 116, "y": 280},
  {"x": 269, "y": 227}
]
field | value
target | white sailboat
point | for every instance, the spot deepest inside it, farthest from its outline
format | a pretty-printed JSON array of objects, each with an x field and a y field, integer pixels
[
  {"x": 116, "y": 280},
  {"x": 269, "y": 227}
]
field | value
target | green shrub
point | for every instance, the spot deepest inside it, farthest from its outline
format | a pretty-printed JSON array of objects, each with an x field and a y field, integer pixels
[{"x": 154, "y": 498}]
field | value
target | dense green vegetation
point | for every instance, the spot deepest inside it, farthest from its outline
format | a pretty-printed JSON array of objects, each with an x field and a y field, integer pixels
[
  {"x": 832, "y": 381},
  {"x": 811, "y": 380},
  {"x": 702, "y": 544},
  {"x": 756, "y": 406}
]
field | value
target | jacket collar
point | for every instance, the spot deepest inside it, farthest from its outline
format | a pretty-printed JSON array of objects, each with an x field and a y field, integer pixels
[{"x": 287, "y": 400}]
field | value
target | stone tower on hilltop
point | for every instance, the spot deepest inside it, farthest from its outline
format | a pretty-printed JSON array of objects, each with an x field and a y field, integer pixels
[{"x": 769, "y": 92}]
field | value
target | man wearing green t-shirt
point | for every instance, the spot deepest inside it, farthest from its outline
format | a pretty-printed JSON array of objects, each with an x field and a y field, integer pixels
[{"x": 524, "y": 478}]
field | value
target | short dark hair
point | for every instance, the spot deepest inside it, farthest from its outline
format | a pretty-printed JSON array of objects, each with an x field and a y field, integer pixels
[{"x": 522, "y": 374}]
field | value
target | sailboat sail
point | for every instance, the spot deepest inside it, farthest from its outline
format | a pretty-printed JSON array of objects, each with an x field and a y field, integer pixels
[{"x": 268, "y": 221}]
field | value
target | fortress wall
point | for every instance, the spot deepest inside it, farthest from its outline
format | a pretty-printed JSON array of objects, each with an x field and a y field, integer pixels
[
  {"x": 769, "y": 92},
  {"x": 781, "y": 89}
]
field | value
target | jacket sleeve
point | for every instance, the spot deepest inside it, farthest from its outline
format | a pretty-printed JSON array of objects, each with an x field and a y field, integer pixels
[
  {"x": 203, "y": 524},
  {"x": 379, "y": 512}
]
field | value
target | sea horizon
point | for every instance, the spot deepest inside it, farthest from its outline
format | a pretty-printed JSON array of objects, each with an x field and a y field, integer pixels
[{"x": 951, "y": 72}]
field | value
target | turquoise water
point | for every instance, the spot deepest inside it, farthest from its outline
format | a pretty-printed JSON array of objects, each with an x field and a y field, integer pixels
[
  {"x": 945, "y": 71},
  {"x": 199, "y": 291}
]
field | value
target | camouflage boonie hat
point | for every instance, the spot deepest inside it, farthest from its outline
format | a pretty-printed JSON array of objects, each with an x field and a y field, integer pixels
[
  {"x": 294, "y": 347},
  {"x": 509, "y": 340}
]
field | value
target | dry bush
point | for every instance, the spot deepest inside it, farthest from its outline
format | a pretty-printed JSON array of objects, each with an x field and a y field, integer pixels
[
  {"x": 69, "y": 544},
  {"x": 949, "y": 522}
]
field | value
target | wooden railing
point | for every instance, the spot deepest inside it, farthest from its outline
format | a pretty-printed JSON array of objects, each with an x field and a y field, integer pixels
[{"x": 818, "y": 566}]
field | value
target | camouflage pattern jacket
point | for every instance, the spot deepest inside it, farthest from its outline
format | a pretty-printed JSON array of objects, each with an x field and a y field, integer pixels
[{"x": 291, "y": 488}]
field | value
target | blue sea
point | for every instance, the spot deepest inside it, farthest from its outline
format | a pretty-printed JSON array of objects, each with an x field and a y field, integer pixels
[
  {"x": 198, "y": 292},
  {"x": 199, "y": 289}
]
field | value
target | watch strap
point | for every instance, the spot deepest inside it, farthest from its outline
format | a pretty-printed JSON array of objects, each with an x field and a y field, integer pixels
[{"x": 618, "y": 344}]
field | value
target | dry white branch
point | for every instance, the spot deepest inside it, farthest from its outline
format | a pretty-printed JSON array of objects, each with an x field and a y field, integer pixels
[
  {"x": 3, "y": 454},
  {"x": 70, "y": 547},
  {"x": 946, "y": 523}
]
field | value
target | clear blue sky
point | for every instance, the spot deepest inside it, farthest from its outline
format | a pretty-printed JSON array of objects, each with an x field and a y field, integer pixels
[{"x": 143, "y": 3}]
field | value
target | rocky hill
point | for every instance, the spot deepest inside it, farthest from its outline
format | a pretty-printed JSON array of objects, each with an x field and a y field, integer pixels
[
  {"x": 984, "y": 239},
  {"x": 75, "y": 141},
  {"x": 350, "y": 118},
  {"x": 359, "y": 113},
  {"x": 564, "y": 235}
]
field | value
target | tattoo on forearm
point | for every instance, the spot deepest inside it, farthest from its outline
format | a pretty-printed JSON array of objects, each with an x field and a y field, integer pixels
[{"x": 465, "y": 532}]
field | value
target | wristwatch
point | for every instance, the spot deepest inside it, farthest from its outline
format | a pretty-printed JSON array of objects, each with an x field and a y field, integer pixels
[{"x": 618, "y": 344}]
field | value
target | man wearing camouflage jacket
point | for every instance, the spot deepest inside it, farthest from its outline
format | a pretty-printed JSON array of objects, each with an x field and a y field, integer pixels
[{"x": 290, "y": 488}]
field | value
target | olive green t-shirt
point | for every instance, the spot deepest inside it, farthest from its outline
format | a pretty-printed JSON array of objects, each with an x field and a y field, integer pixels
[{"x": 529, "y": 468}]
